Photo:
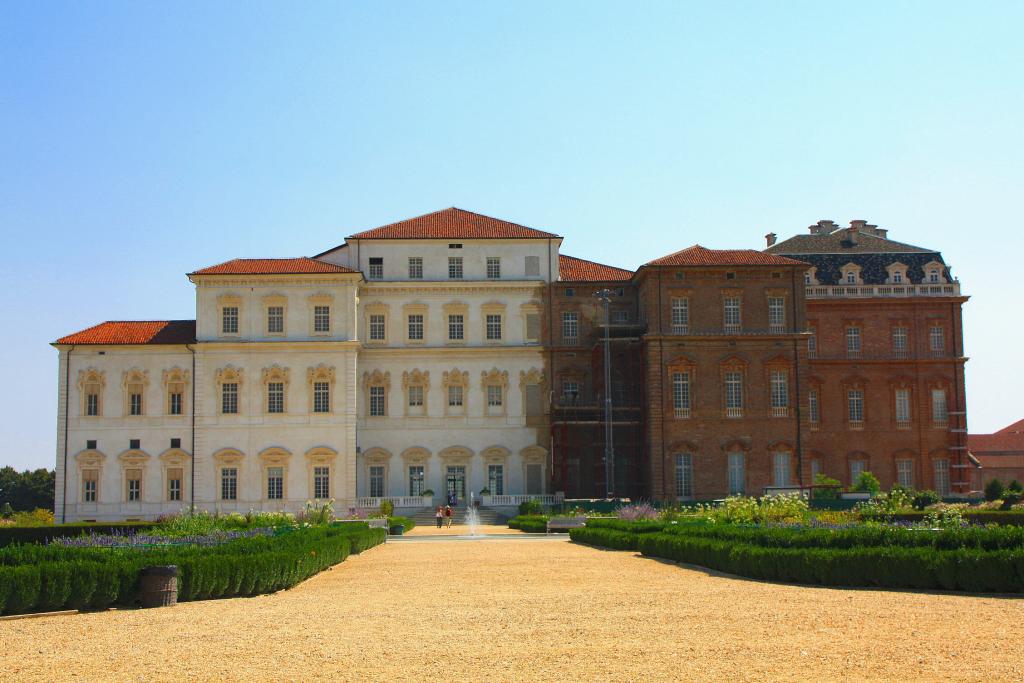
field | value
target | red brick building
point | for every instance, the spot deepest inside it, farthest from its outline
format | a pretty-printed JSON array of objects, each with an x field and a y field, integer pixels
[
  {"x": 836, "y": 351},
  {"x": 999, "y": 455}
]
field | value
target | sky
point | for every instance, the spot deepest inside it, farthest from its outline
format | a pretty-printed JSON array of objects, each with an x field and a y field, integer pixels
[{"x": 140, "y": 141}]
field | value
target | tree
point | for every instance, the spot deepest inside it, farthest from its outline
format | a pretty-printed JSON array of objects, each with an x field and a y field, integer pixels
[
  {"x": 27, "y": 490},
  {"x": 866, "y": 483},
  {"x": 994, "y": 490}
]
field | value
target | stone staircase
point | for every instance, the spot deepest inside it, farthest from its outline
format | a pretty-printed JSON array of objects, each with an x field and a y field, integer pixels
[{"x": 425, "y": 517}]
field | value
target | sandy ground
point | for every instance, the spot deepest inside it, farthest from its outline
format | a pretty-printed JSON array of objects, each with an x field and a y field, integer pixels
[
  {"x": 461, "y": 529},
  {"x": 511, "y": 610}
]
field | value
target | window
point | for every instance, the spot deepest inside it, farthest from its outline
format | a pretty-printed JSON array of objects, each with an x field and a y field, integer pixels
[
  {"x": 493, "y": 268},
  {"x": 376, "y": 481},
  {"x": 776, "y": 314},
  {"x": 229, "y": 398},
  {"x": 855, "y": 408},
  {"x": 174, "y": 400},
  {"x": 684, "y": 475},
  {"x": 496, "y": 479},
  {"x": 808, "y": 279},
  {"x": 377, "y": 329},
  {"x": 174, "y": 477},
  {"x": 415, "y": 268},
  {"x": 731, "y": 314},
  {"x": 416, "y": 480},
  {"x": 936, "y": 340},
  {"x": 779, "y": 380},
  {"x": 781, "y": 469},
  {"x": 416, "y": 397},
  {"x": 456, "y": 327},
  {"x": 377, "y": 401},
  {"x": 812, "y": 344},
  {"x": 737, "y": 474},
  {"x": 569, "y": 291},
  {"x": 275, "y": 397},
  {"x": 897, "y": 277},
  {"x": 321, "y": 318},
  {"x": 454, "y": 397},
  {"x": 532, "y": 266},
  {"x": 90, "y": 480},
  {"x": 815, "y": 469},
  {"x": 942, "y": 476},
  {"x": 455, "y": 246},
  {"x": 570, "y": 390},
  {"x": 899, "y": 342},
  {"x": 813, "y": 411},
  {"x": 570, "y": 328},
  {"x": 415, "y": 322},
  {"x": 175, "y": 443},
  {"x": 229, "y": 483},
  {"x": 940, "y": 416},
  {"x": 321, "y": 397},
  {"x": 275, "y": 483},
  {"x": 229, "y": 320},
  {"x": 620, "y": 317},
  {"x": 857, "y": 467},
  {"x": 905, "y": 473},
  {"x": 454, "y": 267},
  {"x": 134, "y": 444},
  {"x": 135, "y": 400},
  {"x": 275, "y": 319},
  {"x": 90, "y": 444},
  {"x": 903, "y": 408},
  {"x": 321, "y": 482},
  {"x": 733, "y": 394},
  {"x": 494, "y": 396},
  {"x": 376, "y": 268},
  {"x": 933, "y": 275},
  {"x": 92, "y": 403},
  {"x": 133, "y": 479},
  {"x": 680, "y": 316},
  {"x": 853, "y": 342},
  {"x": 532, "y": 327},
  {"x": 494, "y": 327},
  {"x": 681, "y": 394},
  {"x": 851, "y": 277}
]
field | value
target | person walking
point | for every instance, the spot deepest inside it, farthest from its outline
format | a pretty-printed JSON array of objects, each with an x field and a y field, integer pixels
[
  {"x": 448, "y": 516},
  {"x": 440, "y": 516}
]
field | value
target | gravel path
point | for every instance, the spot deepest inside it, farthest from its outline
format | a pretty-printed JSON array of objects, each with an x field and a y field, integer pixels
[{"x": 509, "y": 610}]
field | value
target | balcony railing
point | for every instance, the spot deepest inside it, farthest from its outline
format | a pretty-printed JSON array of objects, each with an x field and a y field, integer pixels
[
  {"x": 373, "y": 502},
  {"x": 682, "y": 413},
  {"x": 777, "y": 329},
  {"x": 857, "y": 425},
  {"x": 734, "y": 412},
  {"x": 865, "y": 291},
  {"x": 680, "y": 329},
  {"x": 780, "y": 411},
  {"x": 902, "y": 424},
  {"x": 513, "y": 500}
]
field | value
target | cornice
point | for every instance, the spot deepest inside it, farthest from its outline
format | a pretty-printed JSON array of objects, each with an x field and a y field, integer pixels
[{"x": 276, "y": 345}]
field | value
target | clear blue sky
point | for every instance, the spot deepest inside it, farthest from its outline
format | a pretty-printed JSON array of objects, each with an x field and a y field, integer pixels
[{"x": 139, "y": 141}]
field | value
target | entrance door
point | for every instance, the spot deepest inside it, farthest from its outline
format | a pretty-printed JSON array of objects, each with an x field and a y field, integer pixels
[
  {"x": 534, "y": 484},
  {"x": 457, "y": 481}
]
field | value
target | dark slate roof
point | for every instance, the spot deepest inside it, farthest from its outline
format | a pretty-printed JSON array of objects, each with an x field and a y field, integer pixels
[{"x": 830, "y": 252}]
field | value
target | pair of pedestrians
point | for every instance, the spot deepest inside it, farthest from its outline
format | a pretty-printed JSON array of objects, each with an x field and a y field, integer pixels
[{"x": 443, "y": 514}]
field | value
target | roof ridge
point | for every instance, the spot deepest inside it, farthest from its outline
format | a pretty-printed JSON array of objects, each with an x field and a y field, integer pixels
[{"x": 598, "y": 263}]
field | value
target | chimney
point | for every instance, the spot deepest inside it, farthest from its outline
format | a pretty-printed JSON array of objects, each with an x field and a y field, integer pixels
[
  {"x": 859, "y": 224},
  {"x": 882, "y": 232},
  {"x": 770, "y": 238},
  {"x": 851, "y": 234},
  {"x": 823, "y": 227}
]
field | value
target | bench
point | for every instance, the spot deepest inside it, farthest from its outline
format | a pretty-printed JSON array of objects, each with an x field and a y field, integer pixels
[{"x": 566, "y": 523}]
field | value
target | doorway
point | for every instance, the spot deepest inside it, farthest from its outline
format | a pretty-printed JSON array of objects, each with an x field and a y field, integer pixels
[{"x": 457, "y": 481}]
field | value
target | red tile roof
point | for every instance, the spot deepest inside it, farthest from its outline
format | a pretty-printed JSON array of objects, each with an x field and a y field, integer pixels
[
  {"x": 1008, "y": 440},
  {"x": 272, "y": 266},
  {"x": 1000, "y": 461},
  {"x": 702, "y": 256},
  {"x": 572, "y": 269},
  {"x": 450, "y": 224},
  {"x": 135, "y": 332}
]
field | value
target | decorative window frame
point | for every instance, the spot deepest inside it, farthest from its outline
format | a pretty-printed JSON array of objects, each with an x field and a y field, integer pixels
[
  {"x": 134, "y": 377},
  {"x": 815, "y": 384},
  {"x": 171, "y": 377},
  {"x": 224, "y": 301},
  {"x": 731, "y": 293},
  {"x": 275, "y": 373},
  {"x": 734, "y": 364},
  {"x": 133, "y": 458},
  {"x": 680, "y": 364},
  {"x": 897, "y": 268},
  {"x": 776, "y": 293},
  {"x": 377, "y": 379},
  {"x": 456, "y": 308},
  {"x": 90, "y": 459},
  {"x": 377, "y": 457},
  {"x": 525, "y": 311},
  {"x": 88, "y": 378},
  {"x": 684, "y": 293},
  {"x": 848, "y": 268},
  {"x": 275, "y": 300},
  {"x": 226, "y": 375},
  {"x": 533, "y": 377},
  {"x": 416, "y": 309},
  {"x": 320, "y": 373},
  {"x": 930, "y": 266},
  {"x": 324, "y": 299},
  {"x": 376, "y": 308},
  {"x": 229, "y": 458},
  {"x": 535, "y": 455},
  {"x": 275, "y": 456},
  {"x": 779, "y": 364},
  {"x": 415, "y": 456},
  {"x": 937, "y": 384},
  {"x": 490, "y": 378},
  {"x": 456, "y": 456},
  {"x": 859, "y": 384},
  {"x": 415, "y": 378},
  {"x": 811, "y": 276},
  {"x": 321, "y": 456},
  {"x": 175, "y": 458},
  {"x": 908, "y": 384},
  {"x": 787, "y": 447},
  {"x": 812, "y": 329},
  {"x": 856, "y": 456},
  {"x": 493, "y": 308},
  {"x": 456, "y": 378},
  {"x": 915, "y": 465}
]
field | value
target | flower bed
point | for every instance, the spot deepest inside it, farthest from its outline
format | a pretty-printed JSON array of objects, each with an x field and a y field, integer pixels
[{"x": 45, "y": 534}]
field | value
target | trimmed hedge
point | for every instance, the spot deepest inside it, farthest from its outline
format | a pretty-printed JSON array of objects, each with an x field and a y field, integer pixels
[
  {"x": 640, "y": 527},
  {"x": 408, "y": 522},
  {"x": 45, "y": 534},
  {"x": 606, "y": 538},
  {"x": 47, "y": 578},
  {"x": 533, "y": 524}
]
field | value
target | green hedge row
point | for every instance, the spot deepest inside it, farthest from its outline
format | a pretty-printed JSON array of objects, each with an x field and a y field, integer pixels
[
  {"x": 408, "y": 522},
  {"x": 45, "y": 534},
  {"x": 606, "y": 538},
  {"x": 639, "y": 527},
  {"x": 1000, "y": 517},
  {"x": 96, "y": 578},
  {"x": 534, "y": 524}
]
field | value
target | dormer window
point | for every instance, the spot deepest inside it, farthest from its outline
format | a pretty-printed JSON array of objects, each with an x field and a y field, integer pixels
[
  {"x": 933, "y": 273},
  {"x": 811, "y": 276},
  {"x": 850, "y": 275},
  {"x": 897, "y": 277},
  {"x": 897, "y": 273}
]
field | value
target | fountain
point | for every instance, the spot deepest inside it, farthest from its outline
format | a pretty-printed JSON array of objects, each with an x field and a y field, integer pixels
[{"x": 473, "y": 517}]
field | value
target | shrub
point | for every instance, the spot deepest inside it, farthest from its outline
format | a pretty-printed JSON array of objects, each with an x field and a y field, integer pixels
[
  {"x": 831, "y": 493},
  {"x": 407, "y": 522},
  {"x": 387, "y": 508},
  {"x": 866, "y": 483},
  {"x": 605, "y": 538},
  {"x": 635, "y": 513},
  {"x": 531, "y": 507},
  {"x": 994, "y": 490},
  {"x": 1015, "y": 486},
  {"x": 44, "y": 534},
  {"x": 533, "y": 524},
  {"x": 923, "y": 499}
]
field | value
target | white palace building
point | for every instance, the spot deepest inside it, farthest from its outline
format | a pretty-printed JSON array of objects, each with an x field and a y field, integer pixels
[{"x": 403, "y": 363}]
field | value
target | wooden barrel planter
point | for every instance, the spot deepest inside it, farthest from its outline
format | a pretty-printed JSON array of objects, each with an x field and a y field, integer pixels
[{"x": 158, "y": 586}]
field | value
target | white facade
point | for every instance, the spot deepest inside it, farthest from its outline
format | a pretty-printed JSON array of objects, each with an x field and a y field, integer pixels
[{"x": 317, "y": 385}]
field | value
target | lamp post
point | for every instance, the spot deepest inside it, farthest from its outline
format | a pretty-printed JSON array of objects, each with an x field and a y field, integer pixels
[{"x": 605, "y": 295}]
